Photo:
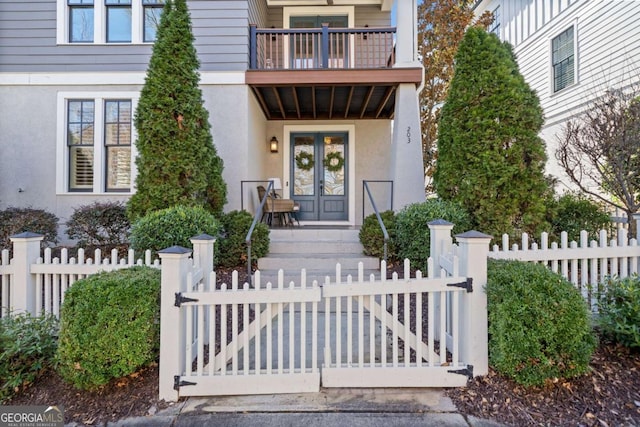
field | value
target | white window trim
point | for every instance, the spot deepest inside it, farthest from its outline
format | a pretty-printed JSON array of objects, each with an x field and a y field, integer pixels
[
  {"x": 62, "y": 151},
  {"x": 100, "y": 24},
  {"x": 576, "y": 59},
  {"x": 288, "y": 12}
]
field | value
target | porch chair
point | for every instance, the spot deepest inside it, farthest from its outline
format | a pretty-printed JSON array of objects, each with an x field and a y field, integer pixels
[{"x": 285, "y": 209}]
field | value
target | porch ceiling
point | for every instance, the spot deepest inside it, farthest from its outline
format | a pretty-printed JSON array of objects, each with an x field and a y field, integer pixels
[{"x": 329, "y": 94}]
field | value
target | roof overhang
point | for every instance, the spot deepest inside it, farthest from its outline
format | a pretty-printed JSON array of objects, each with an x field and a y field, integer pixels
[
  {"x": 329, "y": 94},
  {"x": 385, "y": 5}
]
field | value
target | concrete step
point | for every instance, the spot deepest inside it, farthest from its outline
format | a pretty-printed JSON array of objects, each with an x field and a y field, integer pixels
[
  {"x": 314, "y": 247},
  {"x": 322, "y": 262},
  {"x": 314, "y": 234}
]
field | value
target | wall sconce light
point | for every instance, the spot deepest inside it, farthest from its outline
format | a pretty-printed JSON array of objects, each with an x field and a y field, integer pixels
[{"x": 273, "y": 144}]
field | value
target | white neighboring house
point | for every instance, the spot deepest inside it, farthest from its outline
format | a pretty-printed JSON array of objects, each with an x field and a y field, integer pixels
[{"x": 569, "y": 52}]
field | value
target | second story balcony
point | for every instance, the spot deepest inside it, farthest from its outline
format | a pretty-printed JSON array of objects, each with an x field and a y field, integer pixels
[{"x": 326, "y": 73}]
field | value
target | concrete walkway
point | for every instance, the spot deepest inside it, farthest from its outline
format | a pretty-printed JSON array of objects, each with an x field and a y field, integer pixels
[{"x": 329, "y": 407}]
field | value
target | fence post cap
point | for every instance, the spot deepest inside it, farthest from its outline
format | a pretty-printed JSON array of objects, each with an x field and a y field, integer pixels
[
  {"x": 27, "y": 235},
  {"x": 439, "y": 222},
  {"x": 473, "y": 234},
  {"x": 174, "y": 250},
  {"x": 202, "y": 237}
]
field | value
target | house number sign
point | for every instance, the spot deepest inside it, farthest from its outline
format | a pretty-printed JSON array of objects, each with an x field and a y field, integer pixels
[{"x": 409, "y": 135}]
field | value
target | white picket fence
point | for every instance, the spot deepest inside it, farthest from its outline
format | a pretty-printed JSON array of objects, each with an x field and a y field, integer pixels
[
  {"x": 36, "y": 284},
  {"x": 271, "y": 339},
  {"x": 587, "y": 263}
]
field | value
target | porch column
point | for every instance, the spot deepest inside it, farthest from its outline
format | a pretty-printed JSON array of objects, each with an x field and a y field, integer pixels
[
  {"x": 407, "y": 33},
  {"x": 406, "y": 149}
]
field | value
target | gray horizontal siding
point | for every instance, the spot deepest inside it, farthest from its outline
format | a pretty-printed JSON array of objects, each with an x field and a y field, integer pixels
[{"x": 28, "y": 40}]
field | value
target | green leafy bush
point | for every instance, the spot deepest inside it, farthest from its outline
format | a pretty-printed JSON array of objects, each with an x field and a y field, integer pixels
[
  {"x": 172, "y": 226},
  {"x": 619, "y": 311},
  {"x": 231, "y": 248},
  {"x": 18, "y": 220},
  {"x": 104, "y": 225},
  {"x": 412, "y": 227},
  {"x": 27, "y": 346},
  {"x": 539, "y": 325},
  {"x": 372, "y": 238},
  {"x": 109, "y": 326},
  {"x": 573, "y": 213}
]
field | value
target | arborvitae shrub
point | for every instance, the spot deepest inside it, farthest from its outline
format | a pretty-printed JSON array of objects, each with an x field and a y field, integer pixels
[
  {"x": 619, "y": 311},
  {"x": 539, "y": 325},
  {"x": 491, "y": 158},
  {"x": 177, "y": 161},
  {"x": 372, "y": 238},
  {"x": 172, "y": 227},
  {"x": 231, "y": 247},
  {"x": 412, "y": 227},
  {"x": 101, "y": 225},
  {"x": 18, "y": 220},
  {"x": 109, "y": 326},
  {"x": 27, "y": 347}
]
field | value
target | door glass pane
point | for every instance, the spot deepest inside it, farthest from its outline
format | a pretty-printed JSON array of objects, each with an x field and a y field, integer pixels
[
  {"x": 333, "y": 165},
  {"x": 303, "y": 166}
]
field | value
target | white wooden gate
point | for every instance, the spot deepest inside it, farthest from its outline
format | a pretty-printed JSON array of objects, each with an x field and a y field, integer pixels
[{"x": 347, "y": 332}]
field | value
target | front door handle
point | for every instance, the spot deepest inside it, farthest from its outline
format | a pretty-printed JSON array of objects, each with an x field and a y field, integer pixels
[{"x": 321, "y": 187}]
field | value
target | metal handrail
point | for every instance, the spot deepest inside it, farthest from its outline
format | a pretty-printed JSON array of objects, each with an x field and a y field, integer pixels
[
  {"x": 365, "y": 185},
  {"x": 247, "y": 239}
]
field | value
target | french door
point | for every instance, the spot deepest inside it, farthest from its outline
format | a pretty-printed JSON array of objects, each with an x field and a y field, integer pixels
[
  {"x": 319, "y": 171},
  {"x": 306, "y": 49}
]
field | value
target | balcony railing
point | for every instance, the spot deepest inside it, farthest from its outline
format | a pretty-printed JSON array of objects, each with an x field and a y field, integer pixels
[{"x": 321, "y": 48}]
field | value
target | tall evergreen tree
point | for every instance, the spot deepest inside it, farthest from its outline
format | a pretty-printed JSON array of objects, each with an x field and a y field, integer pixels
[
  {"x": 177, "y": 161},
  {"x": 490, "y": 157}
]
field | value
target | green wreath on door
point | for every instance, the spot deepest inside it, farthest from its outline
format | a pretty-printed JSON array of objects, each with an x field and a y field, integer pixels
[
  {"x": 304, "y": 161},
  {"x": 334, "y": 162}
]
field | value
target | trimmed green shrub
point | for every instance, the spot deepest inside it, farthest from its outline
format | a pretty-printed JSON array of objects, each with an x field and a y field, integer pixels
[
  {"x": 412, "y": 227},
  {"x": 104, "y": 225},
  {"x": 372, "y": 238},
  {"x": 172, "y": 226},
  {"x": 619, "y": 311},
  {"x": 27, "y": 347},
  {"x": 539, "y": 325},
  {"x": 573, "y": 213},
  {"x": 109, "y": 326},
  {"x": 231, "y": 247},
  {"x": 18, "y": 220}
]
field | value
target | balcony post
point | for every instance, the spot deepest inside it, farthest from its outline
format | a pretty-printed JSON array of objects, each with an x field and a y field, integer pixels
[
  {"x": 325, "y": 45},
  {"x": 253, "y": 47}
]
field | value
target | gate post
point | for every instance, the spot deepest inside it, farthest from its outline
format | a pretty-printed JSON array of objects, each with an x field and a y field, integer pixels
[
  {"x": 175, "y": 264},
  {"x": 440, "y": 238},
  {"x": 474, "y": 345},
  {"x": 26, "y": 250}
]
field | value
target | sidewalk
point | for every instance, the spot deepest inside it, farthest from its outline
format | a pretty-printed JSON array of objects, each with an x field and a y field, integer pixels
[{"x": 329, "y": 407}]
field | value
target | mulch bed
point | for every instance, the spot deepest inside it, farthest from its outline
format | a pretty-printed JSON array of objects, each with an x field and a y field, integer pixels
[{"x": 607, "y": 396}]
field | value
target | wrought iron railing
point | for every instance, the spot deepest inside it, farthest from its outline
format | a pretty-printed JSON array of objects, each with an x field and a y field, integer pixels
[
  {"x": 321, "y": 48},
  {"x": 385, "y": 233}
]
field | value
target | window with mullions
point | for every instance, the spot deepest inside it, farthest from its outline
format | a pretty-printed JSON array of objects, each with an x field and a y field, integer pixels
[
  {"x": 495, "y": 25},
  {"x": 80, "y": 136},
  {"x": 80, "y": 21},
  {"x": 118, "y": 21},
  {"x": 563, "y": 54},
  {"x": 117, "y": 141},
  {"x": 152, "y": 13}
]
